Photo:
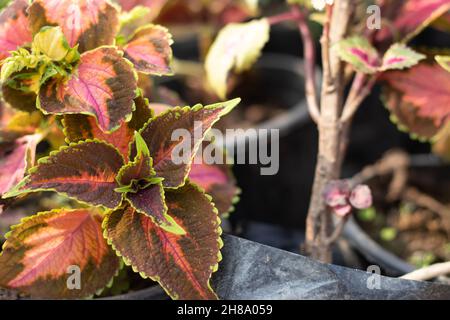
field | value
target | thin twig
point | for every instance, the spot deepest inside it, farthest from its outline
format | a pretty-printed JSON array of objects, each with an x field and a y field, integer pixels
[
  {"x": 427, "y": 273},
  {"x": 339, "y": 227},
  {"x": 359, "y": 91},
  {"x": 309, "y": 55}
]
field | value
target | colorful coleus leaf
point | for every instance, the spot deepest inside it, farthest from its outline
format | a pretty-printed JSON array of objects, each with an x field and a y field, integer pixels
[
  {"x": 399, "y": 56},
  {"x": 103, "y": 85},
  {"x": 154, "y": 5},
  {"x": 51, "y": 42},
  {"x": 218, "y": 181},
  {"x": 149, "y": 50},
  {"x": 180, "y": 130},
  {"x": 182, "y": 264},
  {"x": 79, "y": 127},
  {"x": 419, "y": 98},
  {"x": 15, "y": 159},
  {"x": 85, "y": 171},
  {"x": 408, "y": 18},
  {"x": 41, "y": 253},
  {"x": 444, "y": 62},
  {"x": 358, "y": 52},
  {"x": 237, "y": 47},
  {"x": 88, "y": 23},
  {"x": 365, "y": 58},
  {"x": 14, "y": 29}
]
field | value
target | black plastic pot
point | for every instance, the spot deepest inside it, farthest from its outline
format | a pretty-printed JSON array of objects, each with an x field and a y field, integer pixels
[
  {"x": 373, "y": 251},
  {"x": 253, "y": 271}
]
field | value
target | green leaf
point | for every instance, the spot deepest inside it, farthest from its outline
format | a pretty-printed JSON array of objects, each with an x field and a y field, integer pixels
[
  {"x": 85, "y": 171},
  {"x": 444, "y": 62},
  {"x": 51, "y": 42},
  {"x": 399, "y": 56},
  {"x": 237, "y": 47},
  {"x": 158, "y": 137},
  {"x": 39, "y": 254},
  {"x": 182, "y": 264},
  {"x": 358, "y": 52}
]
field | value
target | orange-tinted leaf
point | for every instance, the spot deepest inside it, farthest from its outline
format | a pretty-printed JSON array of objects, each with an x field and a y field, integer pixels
[
  {"x": 139, "y": 169},
  {"x": 419, "y": 98},
  {"x": 182, "y": 264},
  {"x": 149, "y": 50},
  {"x": 42, "y": 252},
  {"x": 103, "y": 85},
  {"x": 79, "y": 127},
  {"x": 85, "y": 171},
  {"x": 89, "y": 23},
  {"x": 158, "y": 136},
  {"x": 14, "y": 30},
  {"x": 15, "y": 158},
  {"x": 408, "y": 18}
]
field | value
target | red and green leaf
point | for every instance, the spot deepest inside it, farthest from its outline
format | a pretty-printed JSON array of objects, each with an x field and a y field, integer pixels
[
  {"x": 15, "y": 159},
  {"x": 419, "y": 98},
  {"x": 218, "y": 181},
  {"x": 38, "y": 253},
  {"x": 14, "y": 29},
  {"x": 85, "y": 171},
  {"x": 408, "y": 18},
  {"x": 79, "y": 127},
  {"x": 158, "y": 137},
  {"x": 182, "y": 264},
  {"x": 399, "y": 56},
  {"x": 135, "y": 171},
  {"x": 149, "y": 50},
  {"x": 104, "y": 85},
  {"x": 150, "y": 201},
  {"x": 89, "y": 23},
  {"x": 358, "y": 52}
]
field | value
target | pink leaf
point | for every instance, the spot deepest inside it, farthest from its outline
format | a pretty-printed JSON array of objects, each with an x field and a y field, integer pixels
[
  {"x": 103, "y": 85},
  {"x": 14, "y": 30},
  {"x": 16, "y": 158}
]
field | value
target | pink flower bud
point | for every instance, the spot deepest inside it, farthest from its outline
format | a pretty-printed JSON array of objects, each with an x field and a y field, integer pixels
[
  {"x": 342, "y": 210},
  {"x": 361, "y": 197},
  {"x": 336, "y": 193}
]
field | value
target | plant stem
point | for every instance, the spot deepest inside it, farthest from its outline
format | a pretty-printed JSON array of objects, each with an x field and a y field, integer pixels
[
  {"x": 282, "y": 17},
  {"x": 332, "y": 132}
]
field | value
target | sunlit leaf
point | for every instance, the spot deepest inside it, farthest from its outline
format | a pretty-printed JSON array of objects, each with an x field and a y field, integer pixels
[
  {"x": 14, "y": 30},
  {"x": 419, "y": 98},
  {"x": 103, "y": 85},
  {"x": 79, "y": 127},
  {"x": 15, "y": 158},
  {"x": 444, "y": 62},
  {"x": 359, "y": 53},
  {"x": 89, "y": 23},
  {"x": 158, "y": 136},
  {"x": 237, "y": 47},
  {"x": 85, "y": 171},
  {"x": 149, "y": 50},
  {"x": 42, "y": 252},
  {"x": 182, "y": 264},
  {"x": 400, "y": 56},
  {"x": 51, "y": 42},
  {"x": 408, "y": 18}
]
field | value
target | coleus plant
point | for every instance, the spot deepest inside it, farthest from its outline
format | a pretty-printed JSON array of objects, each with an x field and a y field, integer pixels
[
  {"x": 75, "y": 65},
  {"x": 359, "y": 53}
]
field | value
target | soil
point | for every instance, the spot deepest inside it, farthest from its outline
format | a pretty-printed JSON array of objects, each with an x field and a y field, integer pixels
[{"x": 416, "y": 226}]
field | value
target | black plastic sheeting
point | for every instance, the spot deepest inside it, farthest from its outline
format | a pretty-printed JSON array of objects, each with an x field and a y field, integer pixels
[{"x": 253, "y": 271}]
